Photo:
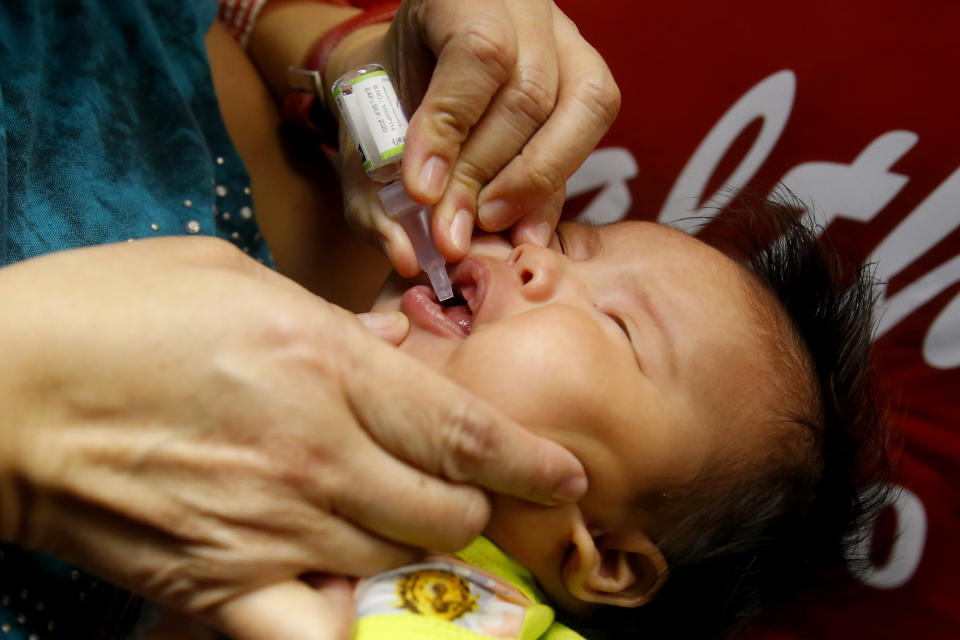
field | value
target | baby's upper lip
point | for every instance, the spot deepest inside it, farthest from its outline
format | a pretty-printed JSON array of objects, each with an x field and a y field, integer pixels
[{"x": 471, "y": 278}]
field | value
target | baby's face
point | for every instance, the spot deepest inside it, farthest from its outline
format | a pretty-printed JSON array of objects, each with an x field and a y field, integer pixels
[{"x": 633, "y": 345}]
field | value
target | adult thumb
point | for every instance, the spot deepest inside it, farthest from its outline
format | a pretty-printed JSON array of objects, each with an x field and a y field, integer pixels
[
  {"x": 391, "y": 326},
  {"x": 322, "y": 610},
  {"x": 365, "y": 213}
]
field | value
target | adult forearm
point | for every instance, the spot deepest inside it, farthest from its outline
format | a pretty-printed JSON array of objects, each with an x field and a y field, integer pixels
[{"x": 286, "y": 31}]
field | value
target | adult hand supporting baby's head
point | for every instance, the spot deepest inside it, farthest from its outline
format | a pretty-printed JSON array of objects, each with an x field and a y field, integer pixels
[
  {"x": 510, "y": 99},
  {"x": 214, "y": 432}
]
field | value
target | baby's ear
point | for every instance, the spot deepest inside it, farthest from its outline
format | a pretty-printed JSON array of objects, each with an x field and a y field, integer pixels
[{"x": 624, "y": 569}]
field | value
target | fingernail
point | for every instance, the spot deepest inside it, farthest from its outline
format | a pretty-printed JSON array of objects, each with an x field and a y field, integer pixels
[
  {"x": 537, "y": 234},
  {"x": 378, "y": 320},
  {"x": 461, "y": 230},
  {"x": 391, "y": 326},
  {"x": 433, "y": 174},
  {"x": 496, "y": 214},
  {"x": 571, "y": 490}
]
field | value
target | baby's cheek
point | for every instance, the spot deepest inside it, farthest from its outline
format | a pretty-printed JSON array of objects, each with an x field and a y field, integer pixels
[
  {"x": 509, "y": 374},
  {"x": 539, "y": 376}
]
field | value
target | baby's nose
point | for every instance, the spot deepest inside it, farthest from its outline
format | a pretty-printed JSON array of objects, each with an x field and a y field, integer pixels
[{"x": 539, "y": 271}]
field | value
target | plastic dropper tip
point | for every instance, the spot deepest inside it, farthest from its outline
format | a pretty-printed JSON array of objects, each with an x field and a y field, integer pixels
[{"x": 440, "y": 282}]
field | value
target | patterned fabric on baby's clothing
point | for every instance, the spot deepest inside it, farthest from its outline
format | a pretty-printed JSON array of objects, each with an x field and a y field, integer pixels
[{"x": 484, "y": 593}]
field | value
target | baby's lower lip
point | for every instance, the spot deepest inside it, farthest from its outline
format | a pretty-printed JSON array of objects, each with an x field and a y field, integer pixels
[{"x": 420, "y": 305}]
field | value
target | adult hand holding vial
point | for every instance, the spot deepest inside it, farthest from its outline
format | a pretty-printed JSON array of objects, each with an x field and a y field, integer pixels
[{"x": 506, "y": 99}]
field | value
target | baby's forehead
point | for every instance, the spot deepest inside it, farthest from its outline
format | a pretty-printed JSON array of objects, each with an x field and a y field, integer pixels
[
  {"x": 760, "y": 373},
  {"x": 652, "y": 241},
  {"x": 772, "y": 382}
]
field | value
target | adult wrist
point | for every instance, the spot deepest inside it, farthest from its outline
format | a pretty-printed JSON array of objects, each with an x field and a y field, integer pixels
[
  {"x": 353, "y": 42},
  {"x": 285, "y": 33}
]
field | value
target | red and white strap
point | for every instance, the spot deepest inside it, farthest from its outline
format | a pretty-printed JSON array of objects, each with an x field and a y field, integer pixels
[{"x": 239, "y": 16}]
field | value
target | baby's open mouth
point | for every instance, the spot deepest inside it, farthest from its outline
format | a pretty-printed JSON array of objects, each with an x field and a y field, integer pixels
[
  {"x": 455, "y": 319},
  {"x": 457, "y": 309},
  {"x": 456, "y": 316}
]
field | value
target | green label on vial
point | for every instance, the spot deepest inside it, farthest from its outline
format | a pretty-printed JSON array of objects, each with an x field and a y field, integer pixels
[
  {"x": 389, "y": 153},
  {"x": 371, "y": 74}
]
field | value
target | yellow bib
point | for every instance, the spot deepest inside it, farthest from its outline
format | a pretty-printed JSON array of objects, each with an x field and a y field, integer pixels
[{"x": 483, "y": 594}]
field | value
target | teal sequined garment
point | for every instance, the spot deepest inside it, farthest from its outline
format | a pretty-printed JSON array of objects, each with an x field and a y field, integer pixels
[
  {"x": 111, "y": 128},
  {"x": 109, "y": 131}
]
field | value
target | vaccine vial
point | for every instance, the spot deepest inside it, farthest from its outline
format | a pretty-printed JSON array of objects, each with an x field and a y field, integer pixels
[{"x": 376, "y": 122}]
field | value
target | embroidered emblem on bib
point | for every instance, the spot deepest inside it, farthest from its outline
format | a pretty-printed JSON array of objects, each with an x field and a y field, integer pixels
[
  {"x": 442, "y": 591},
  {"x": 436, "y": 593}
]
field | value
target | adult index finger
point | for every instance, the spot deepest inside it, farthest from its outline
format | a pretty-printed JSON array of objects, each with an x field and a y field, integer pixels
[
  {"x": 587, "y": 104},
  {"x": 476, "y": 52},
  {"x": 517, "y": 111},
  {"x": 427, "y": 420}
]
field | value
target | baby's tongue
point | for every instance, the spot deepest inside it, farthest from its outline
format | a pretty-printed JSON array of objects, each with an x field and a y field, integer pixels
[{"x": 461, "y": 315}]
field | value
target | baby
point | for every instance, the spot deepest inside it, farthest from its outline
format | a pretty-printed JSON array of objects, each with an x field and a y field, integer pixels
[{"x": 722, "y": 409}]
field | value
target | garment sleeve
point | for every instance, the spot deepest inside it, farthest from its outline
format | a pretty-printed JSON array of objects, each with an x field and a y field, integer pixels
[{"x": 239, "y": 16}]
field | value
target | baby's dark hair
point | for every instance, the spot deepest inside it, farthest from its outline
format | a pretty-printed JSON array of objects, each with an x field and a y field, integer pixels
[{"x": 738, "y": 542}]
